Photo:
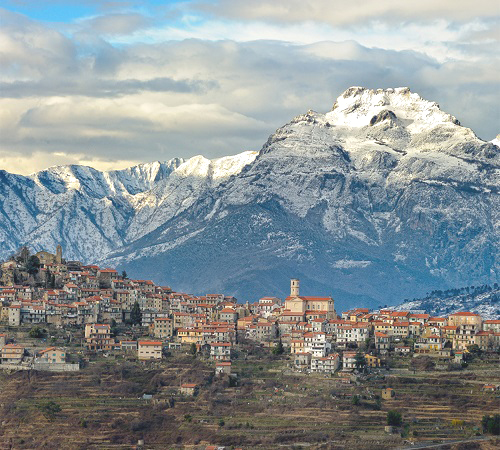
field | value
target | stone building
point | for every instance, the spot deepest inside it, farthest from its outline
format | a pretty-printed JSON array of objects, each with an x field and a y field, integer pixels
[{"x": 47, "y": 258}]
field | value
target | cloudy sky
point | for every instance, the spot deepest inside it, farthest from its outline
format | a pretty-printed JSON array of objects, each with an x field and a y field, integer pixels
[{"x": 113, "y": 83}]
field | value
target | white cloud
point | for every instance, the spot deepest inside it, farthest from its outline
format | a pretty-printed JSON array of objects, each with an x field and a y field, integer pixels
[
  {"x": 114, "y": 24},
  {"x": 353, "y": 12},
  {"x": 28, "y": 163}
]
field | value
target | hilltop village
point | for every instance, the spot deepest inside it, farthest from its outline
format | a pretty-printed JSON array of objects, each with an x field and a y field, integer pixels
[
  {"x": 70, "y": 295},
  {"x": 90, "y": 358}
]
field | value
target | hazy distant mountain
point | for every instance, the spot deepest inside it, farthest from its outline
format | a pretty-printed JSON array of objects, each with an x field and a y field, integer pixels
[{"x": 382, "y": 198}]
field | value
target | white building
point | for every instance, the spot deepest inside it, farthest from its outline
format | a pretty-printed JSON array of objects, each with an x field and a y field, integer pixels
[
  {"x": 148, "y": 350},
  {"x": 349, "y": 360},
  {"x": 220, "y": 351},
  {"x": 316, "y": 344},
  {"x": 352, "y": 334},
  {"x": 327, "y": 364}
]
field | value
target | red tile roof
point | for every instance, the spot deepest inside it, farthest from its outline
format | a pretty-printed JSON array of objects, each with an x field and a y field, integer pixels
[{"x": 150, "y": 343}]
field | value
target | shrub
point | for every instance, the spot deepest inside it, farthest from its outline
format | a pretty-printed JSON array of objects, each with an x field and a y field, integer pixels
[
  {"x": 221, "y": 423},
  {"x": 491, "y": 424},
  {"x": 278, "y": 349},
  {"x": 37, "y": 333},
  {"x": 394, "y": 418},
  {"x": 422, "y": 363},
  {"x": 139, "y": 425},
  {"x": 457, "y": 422},
  {"x": 117, "y": 423},
  {"x": 50, "y": 409}
]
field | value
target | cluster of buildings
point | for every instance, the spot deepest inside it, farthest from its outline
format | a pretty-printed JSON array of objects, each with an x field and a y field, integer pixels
[
  {"x": 15, "y": 355},
  {"x": 318, "y": 338},
  {"x": 385, "y": 332}
]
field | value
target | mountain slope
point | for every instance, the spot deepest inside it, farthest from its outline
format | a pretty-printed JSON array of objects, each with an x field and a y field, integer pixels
[
  {"x": 483, "y": 300},
  {"x": 382, "y": 198},
  {"x": 91, "y": 213}
]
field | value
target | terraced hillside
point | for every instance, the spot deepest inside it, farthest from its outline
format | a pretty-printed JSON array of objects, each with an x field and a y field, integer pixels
[{"x": 103, "y": 406}]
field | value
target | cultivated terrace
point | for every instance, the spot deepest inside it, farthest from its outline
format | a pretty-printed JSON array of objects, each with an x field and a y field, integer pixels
[{"x": 93, "y": 359}]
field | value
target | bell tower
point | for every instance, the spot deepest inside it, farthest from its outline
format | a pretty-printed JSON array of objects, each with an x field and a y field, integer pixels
[
  {"x": 294, "y": 287},
  {"x": 58, "y": 254}
]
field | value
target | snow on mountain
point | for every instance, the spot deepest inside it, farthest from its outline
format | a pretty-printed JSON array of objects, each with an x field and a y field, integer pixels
[
  {"x": 482, "y": 300},
  {"x": 178, "y": 192},
  {"x": 359, "y": 107},
  {"x": 95, "y": 183},
  {"x": 383, "y": 197},
  {"x": 85, "y": 209}
]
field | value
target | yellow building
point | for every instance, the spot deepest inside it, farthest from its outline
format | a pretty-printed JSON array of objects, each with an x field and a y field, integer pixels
[
  {"x": 190, "y": 335},
  {"x": 388, "y": 394},
  {"x": 302, "y": 305},
  {"x": 12, "y": 353},
  {"x": 297, "y": 346},
  {"x": 372, "y": 361},
  {"x": 98, "y": 337}
]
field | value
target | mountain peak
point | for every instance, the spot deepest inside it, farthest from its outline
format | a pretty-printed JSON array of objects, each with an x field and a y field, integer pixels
[{"x": 360, "y": 107}]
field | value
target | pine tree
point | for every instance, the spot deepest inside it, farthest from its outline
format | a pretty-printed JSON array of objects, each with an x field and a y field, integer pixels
[
  {"x": 136, "y": 314},
  {"x": 278, "y": 349},
  {"x": 394, "y": 418},
  {"x": 33, "y": 265},
  {"x": 360, "y": 361}
]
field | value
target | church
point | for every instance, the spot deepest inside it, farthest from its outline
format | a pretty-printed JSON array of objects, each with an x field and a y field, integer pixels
[
  {"x": 323, "y": 307},
  {"x": 49, "y": 258}
]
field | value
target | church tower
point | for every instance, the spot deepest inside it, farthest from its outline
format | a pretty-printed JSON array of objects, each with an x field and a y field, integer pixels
[
  {"x": 58, "y": 254},
  {"x": 294, "y": 287}
]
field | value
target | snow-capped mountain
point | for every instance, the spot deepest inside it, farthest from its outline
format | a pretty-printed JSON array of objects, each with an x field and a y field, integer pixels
[
  {"x": 483, "y": 300},
  {"x": 383, "y": 197},
  {"x": 91, "y": 213}
]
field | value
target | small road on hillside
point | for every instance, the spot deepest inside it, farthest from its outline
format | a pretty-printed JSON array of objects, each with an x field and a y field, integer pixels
[{"x": 442, "y": 444}]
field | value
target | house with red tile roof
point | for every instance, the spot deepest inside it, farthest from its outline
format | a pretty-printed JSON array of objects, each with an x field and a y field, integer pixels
[{"x": 149, "y": 350}]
